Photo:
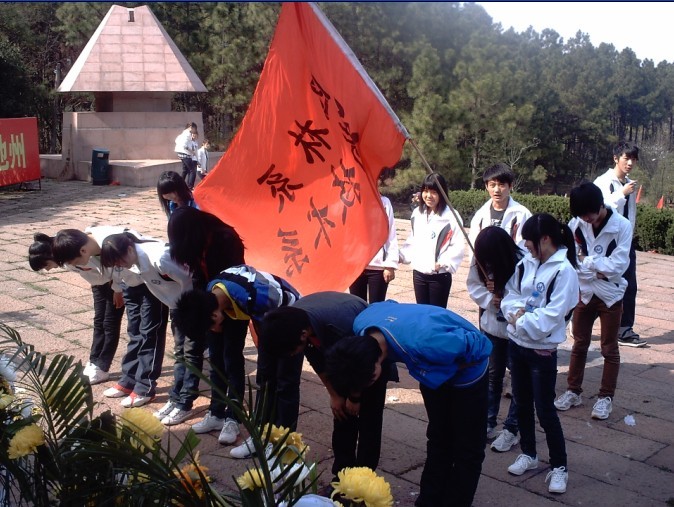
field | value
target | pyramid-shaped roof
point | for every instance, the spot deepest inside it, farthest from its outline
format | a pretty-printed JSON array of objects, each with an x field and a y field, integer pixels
[{"x": 131, "y": 52}]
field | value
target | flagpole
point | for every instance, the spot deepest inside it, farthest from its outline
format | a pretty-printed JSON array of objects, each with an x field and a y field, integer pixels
[{"x": 451, "y": 208}]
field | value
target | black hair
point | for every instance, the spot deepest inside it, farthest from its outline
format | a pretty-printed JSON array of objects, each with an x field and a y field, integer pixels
[
  {"x": 350, "y": 363},
  {"x": 626, "y": 148},
  {"x": 500, "y": 172},
  {"x": 280, "y": 330},
  {"x": 67, "y": 245},
  {"x": 40, "y": 252},
  {"x": 204, "y": 243},
  {"x": 585, "y": 198},
  {"x": 193, "y": 314},
  {"x": 171, "y": 181},
  {"x": 115, "y": 247},
  {"x": 191, "y": 125},
  {"x": 498, "y": 254},
  {"x": 542, "y": 224},
  {"x": 430, "y": 183}
]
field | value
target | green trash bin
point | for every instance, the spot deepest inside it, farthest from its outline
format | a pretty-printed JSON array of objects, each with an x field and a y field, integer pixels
[{"x": 100, "y": 166}]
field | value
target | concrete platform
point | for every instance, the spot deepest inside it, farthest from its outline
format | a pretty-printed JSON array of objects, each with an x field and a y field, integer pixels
[{"x": 610, "y": 463}]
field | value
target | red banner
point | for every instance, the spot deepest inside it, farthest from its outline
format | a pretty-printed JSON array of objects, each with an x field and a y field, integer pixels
[
  {"x": 299, "y": 180},
  {"x": 19, "y": 151}
]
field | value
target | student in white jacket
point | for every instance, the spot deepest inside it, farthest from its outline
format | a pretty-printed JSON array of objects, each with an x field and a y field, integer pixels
[
  {"x": 164, "y": 281},
  {"x": 603, "y": 239},
  {"x": 382, "y": 268},
  {"x": 77, "y": 247},
  {"x": 501, "y": 209},
  {"x": 498, "y": 255},
  {"x": 434, "y": 246},
  {"x": 540, "y": 296}
]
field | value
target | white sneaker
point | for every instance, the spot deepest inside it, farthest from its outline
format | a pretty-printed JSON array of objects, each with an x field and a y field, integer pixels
[
  {"x": 208, "y": 423},
  {"x": 247, "y": 449},
  {"x": 558, "y": 478},
  {"x": 87, "y": 369},
  {"x": 230, "y": 432},
  {"x": 165, "y": 410},
  {"x": 176, "y": 416},
  {"x": 505, "y": 441},
  {"x": 567, "y": 400},
  {"x": 135, "y": 400},
  {"x": 602, "y": 408},
  {"x": 116, "y": 391},
  {"x": 522, "y": 464},
  {"x": 96, "y": 375}
]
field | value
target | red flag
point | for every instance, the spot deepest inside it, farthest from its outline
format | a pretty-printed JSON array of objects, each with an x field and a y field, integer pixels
[
  {"x": 639, "y": 194},
  {"x": 661, "y": 202},
  {"x": 299, "y": 180}
]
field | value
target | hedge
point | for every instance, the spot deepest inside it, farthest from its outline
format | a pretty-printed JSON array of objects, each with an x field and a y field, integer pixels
[{"x": 654, "y": 232}]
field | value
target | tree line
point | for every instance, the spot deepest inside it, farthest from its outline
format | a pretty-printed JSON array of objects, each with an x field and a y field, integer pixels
[{"x": 469, "y": 92}]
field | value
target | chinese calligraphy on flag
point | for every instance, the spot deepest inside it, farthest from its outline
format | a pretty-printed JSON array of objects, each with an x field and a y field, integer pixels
[
  {"x": 299, "y": 180},
  {"x": 19, "y": 151}
]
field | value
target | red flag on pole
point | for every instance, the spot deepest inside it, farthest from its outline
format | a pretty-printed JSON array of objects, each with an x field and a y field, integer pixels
[
  {"x": 299, "y": 180},
  {"x": 661, "y": 202},
  {"x": 639, "y": 194}
]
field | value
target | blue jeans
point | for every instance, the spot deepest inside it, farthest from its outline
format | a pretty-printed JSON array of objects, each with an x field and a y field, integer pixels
[
  {"x": 455, "y": 447},
  {"x": 185, "y": 388},
  {"x": 147, "y": 320},
  {"x": 498, "y": 360},
  {"x": 534, "y": 374}
]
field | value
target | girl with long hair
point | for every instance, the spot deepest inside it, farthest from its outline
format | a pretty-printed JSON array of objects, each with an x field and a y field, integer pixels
[
  {"x": 435, "y": 244},
  {"x": 497, "y": 254},
  {"x": 173, "y": 192},
  {"x": 539, "y": 300}
]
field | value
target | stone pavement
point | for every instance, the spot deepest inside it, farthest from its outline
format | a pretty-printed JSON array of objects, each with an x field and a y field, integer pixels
[{"x": 610, "y": 462}]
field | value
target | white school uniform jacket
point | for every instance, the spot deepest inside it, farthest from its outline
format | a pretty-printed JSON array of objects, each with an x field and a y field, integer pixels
[
  {"x": 202, "y": 159},
  {"x": 483, "y": 298},
  {"x": 93, "y": 273},
  {"x": 545, "y": 327},
  {"x": 183, "y": 142},
  {"x": 433, "y": 238},
  {"x": 514, "y": 217},
  {"x": 387, "y": 256},
  {"x": 165, "y": 278},
  {"x": 613, "y": 195},
  {"x": 608, "y": 254}
]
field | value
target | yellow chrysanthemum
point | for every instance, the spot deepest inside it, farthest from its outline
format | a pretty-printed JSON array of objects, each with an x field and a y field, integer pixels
[
  {"x": 361, "y": 484},
  {"x": 25, "y": 441},
  {"x": 5, "y": 400},
  {"x": 146, "y": 427},
  {"x": 190, "y": 477},
  {"x": 251, "y": 479},
  {"x": 294, "y": 439}
]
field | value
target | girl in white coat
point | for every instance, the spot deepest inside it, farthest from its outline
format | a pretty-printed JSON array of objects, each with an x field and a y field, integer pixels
[
  {"x": 434, "y": 246},
  {"x": 540, "y": 297}
]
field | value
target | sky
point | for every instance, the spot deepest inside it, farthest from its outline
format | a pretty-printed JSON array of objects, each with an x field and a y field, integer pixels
[{"x": 645, "y": 27}]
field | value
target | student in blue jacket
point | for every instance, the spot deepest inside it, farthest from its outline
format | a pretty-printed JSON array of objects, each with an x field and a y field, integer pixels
[{"x": 449, "y": 357}]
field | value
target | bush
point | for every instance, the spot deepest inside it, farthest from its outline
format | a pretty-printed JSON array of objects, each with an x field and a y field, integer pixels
[{"x": 654, "y": 232}]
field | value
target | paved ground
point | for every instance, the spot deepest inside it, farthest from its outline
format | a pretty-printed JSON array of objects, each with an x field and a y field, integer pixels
[{"x": 610, "y": 462}]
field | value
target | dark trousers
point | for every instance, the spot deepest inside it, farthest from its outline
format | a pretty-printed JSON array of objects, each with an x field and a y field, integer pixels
[
  {"x": 372, "y": 280},
  {"x": 189, "y": 171},
  {"x": 534, "y": 373},
  {"x": 498, "y": 360},
  {"x": 356, "y": 441},
  {"x": 147, "y": 320},
  {"x": 228, "y": 372},
  {"x": 456, "y": 435},
  {"x": 630, "y": 297},
  {"x": 278, "y": 382},
  {"x": 432, "y": 289},
  {"x": 583, "y": 319},
  {"x": 185, "y": 387},
  {"x": 107, "y": 325}
]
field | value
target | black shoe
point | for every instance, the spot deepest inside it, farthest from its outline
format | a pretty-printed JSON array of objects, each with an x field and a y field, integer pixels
[{"x": 632, "y": 341}]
